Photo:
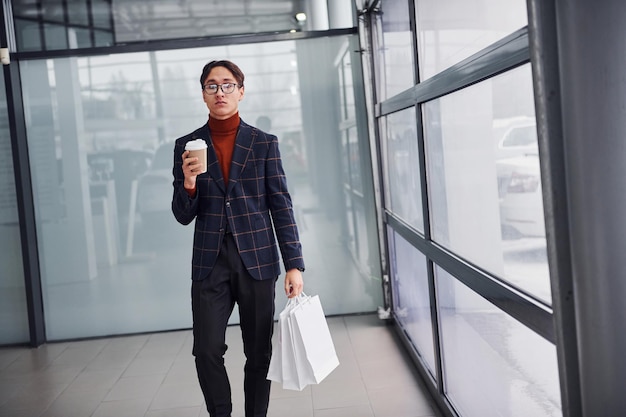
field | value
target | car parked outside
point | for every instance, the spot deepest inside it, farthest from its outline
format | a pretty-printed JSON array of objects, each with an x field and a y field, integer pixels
[{"x": 519, "y": 181}]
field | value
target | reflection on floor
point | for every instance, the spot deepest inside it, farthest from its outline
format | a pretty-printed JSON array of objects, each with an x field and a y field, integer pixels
[{"x": 153, "y": 375}]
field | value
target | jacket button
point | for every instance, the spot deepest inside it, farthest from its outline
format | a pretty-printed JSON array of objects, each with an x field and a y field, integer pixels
[
  {"x": 221, "y": 229},
  {"x": 228, "y": 204}
]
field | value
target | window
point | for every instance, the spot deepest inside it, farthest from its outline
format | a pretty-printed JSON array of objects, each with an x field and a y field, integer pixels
[
  {"x": 486, "y": 198},
  {"x": 493, "y": 365},
  {"x": 452, "y": 30},
  {"x": 401, "y": 158}
]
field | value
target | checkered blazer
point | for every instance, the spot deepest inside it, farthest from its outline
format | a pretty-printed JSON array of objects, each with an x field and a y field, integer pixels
[{"x": 254, "y": 199}]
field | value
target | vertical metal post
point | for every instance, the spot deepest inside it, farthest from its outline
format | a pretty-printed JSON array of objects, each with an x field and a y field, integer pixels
[
  {"x": 544, "y": 58},
  {"x": 23, "y": 184},
  {"x": 591, "y": 50},
  {"x": 366, "y": 18}
]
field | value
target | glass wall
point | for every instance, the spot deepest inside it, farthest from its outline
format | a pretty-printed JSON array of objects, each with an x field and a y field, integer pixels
[
  {"x": 488, "y": 163},
  {"x": 493, "y": 365},
  {"x": 403, "y": 189},
  {"x": 463, "y": 202},
  {"x": 360, "y": 234},
  {"x": 411, "y": 297},
  {"x": 62, "y": 24},
  {"x": 71, "y": 24},
  {"x": 13, "y": 313},
  {"x": 394, "y": 45},
  {"x": 451, "y": 30},
  {"x": 100, "y": 134}
]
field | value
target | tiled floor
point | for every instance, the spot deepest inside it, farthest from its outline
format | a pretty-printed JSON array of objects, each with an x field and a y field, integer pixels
[{"x": 154, "y": 376}]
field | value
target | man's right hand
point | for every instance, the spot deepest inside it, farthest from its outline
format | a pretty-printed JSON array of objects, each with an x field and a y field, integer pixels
[{"x": 191, "y": 169}]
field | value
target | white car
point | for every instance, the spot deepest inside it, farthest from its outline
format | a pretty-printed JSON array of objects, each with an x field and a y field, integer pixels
[
  {"x": 517, "y": 137},
  {"x": 519, "y": 182}
]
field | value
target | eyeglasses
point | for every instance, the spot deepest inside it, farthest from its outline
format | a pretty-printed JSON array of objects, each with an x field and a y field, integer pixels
[{"x": 227, "y": 88}]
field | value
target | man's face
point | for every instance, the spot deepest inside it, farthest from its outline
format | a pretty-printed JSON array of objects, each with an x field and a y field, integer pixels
[{"x": 222, "y": 106}]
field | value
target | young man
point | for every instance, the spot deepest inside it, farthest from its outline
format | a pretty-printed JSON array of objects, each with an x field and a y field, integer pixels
[{"x": 240, "y": 205}]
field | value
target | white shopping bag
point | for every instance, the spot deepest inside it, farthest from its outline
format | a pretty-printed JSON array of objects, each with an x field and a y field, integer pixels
[
  {"x": 275, "y": 371},
  {"x": 282, "y": 367},
  {"x": 315, "y": 354}
]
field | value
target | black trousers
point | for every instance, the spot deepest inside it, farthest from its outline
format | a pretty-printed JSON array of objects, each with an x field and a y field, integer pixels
[{"x": 212, "y": 302}]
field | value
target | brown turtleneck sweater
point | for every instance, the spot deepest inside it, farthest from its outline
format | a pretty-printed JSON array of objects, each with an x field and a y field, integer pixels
[{"x": 223, "y": 134}]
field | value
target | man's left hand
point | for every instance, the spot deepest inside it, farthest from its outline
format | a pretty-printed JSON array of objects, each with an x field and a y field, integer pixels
[{"x": 294, "y": 283}]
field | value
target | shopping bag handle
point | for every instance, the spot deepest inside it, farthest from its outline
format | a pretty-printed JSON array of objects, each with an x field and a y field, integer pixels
[
  {"x": 301, "y": 298},
  {"x": 297, "y": 300}
]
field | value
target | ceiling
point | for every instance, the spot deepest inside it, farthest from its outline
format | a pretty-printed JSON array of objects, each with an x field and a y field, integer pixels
[{"x": 138, "y": 20}]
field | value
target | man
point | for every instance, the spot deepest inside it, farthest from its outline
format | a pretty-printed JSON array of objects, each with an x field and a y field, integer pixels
[{"x": 241, "y": 205}]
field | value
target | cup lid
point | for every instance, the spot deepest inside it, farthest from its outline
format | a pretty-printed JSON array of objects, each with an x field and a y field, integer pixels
[{"x": 194, "y": 145}]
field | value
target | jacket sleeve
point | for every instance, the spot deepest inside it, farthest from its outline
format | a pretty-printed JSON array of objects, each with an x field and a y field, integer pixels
[
  {"x": 281, "y": 209},
  {"x": 184, "y": 207}
]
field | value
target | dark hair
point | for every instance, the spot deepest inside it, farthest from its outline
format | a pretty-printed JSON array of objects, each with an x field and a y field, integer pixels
[{"x": 226, "y": 64}]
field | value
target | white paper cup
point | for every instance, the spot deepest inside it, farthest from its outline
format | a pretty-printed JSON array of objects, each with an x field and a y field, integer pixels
[{"x": 198, "y": 149}]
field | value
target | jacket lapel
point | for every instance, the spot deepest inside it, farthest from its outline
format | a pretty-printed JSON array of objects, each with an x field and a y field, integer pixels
[
  {"x": 243, "y": 146},
  {"x": 213, "y": 167}
]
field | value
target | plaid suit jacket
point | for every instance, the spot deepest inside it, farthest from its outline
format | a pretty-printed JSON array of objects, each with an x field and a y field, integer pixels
[{"x": 255, "y": 204}]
